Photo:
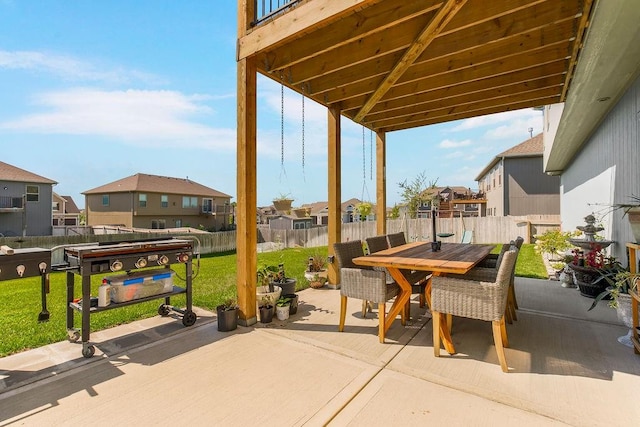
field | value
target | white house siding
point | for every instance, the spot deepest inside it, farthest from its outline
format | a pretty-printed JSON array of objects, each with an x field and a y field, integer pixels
[
  {"x": 495, "y": 193},
  {"x": 606, "y": 171}
]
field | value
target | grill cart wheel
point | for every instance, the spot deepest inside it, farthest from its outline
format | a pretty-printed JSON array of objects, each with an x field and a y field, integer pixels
[
  {"x": 163, "y": 310},
  {"x": 74, "y": 335},
  {"x": 88, "y": 351},
  {"x": 189, "y": 318}
]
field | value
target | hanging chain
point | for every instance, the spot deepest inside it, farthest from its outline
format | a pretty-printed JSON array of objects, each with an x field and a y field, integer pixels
[
  {"x": 282, "y": 126},
  {"x": 303, "y": 175}
]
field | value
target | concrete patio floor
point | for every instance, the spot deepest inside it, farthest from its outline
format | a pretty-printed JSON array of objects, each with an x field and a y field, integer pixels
[{"x": 566, "y": 368}]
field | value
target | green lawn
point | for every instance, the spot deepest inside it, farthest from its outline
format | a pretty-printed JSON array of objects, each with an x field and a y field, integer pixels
[{"x": 214, "y": 282}]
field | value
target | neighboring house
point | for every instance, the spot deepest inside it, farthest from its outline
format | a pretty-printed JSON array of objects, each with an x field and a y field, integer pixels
[
  {"x": 454, "y": 202},
  {"x": 515, "y": 184},
  {"x": 25, "y": 202},
  {"x": 157, "y": 202},
  {"x": 592, "y": 141},
  {"x": 319, "y": 211},
  {"x": 65, "y": 211},
  {"x": 290, "y": 222}
]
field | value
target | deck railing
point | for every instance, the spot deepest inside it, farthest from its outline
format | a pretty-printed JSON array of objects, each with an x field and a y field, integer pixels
[
  {"x": 269, "y": 8},
  {"x": 8, "y": 202}
]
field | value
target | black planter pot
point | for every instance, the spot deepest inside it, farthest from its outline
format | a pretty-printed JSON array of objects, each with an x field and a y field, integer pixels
[
  {"x": 293, "y": 306},
  {"x": 289, "y": 287},
  {"x": 266, "y": 314},
  {"x": 589, "y": 280},
  {"x": 227, "y": 319}
]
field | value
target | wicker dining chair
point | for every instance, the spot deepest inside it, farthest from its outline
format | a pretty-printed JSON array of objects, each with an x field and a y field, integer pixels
[
  {"x": 362, "y": 283},
  {"x": 487, "y": 270},
  {"x": 396, "y": 239},
  {"x": 418, "y": 279},
  {"x": 482, "y": 300}
]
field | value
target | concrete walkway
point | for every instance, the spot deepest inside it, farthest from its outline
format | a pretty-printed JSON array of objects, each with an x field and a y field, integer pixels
[{"x": 566, "y": 368}]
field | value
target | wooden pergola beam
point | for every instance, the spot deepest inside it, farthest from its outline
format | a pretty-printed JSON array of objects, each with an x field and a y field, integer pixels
[{"x": 442, "y": 17}]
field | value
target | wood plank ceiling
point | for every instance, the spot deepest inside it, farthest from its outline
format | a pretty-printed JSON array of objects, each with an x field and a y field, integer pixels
[{"x": 398, "y": 64}]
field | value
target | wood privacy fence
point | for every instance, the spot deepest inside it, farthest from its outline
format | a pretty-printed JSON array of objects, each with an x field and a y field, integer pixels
[{"x": 485, "y": 230}]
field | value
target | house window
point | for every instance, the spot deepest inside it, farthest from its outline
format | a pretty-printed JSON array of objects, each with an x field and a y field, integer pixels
[
  {"x": 178, "y": 223},
  {"x": 142, "y": 200},
  {"x": 499, "y": 179},
  {"x": 55, "y": 206},
  {"x": 158, "y": 224},
  {"x": 164, "y": 201},
  {"x": 105, "y": 200},
  {"x": 33, "y": 193},
  {"x": 207, "y": 205},
  {"x": 189, "y": 202}
]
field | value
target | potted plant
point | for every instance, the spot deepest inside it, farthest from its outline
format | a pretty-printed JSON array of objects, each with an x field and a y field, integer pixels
[
  {"x": 317, "y": 281},
  {"x": 279, "y": 278},
  {"x": 621, "y": 282},
  {"x": 316, "y": 267},
  {"x": 364, "y": 209},
  {"x": 227, "y": 315},
  {"x": 282, "y": 203},
  {"x": 293, "y": 302},
  {"x": 282, "y": 308},
  {"x": 266, "y": 309},
  {"x": 553, "y": 243},
  {"x": 591, "y": 270},
  {"x": 266, "y": 286}
]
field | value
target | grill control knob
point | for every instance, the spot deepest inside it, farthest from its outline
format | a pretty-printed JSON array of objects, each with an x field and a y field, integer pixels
[
  {"x": 163, "y": 260},
  {"x": 116, "y": 265},
  {"x": 20, "y": 270}
]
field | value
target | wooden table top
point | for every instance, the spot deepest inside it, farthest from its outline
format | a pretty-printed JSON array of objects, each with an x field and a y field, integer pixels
[{"x": 452, "y": 258}]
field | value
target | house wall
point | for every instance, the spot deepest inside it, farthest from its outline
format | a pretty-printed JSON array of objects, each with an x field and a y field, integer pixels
[
  {"x": 528, "y": 190},
  {"x": 125, "y": 209},
  {"x": 117, "y": 213},
  {"x": 37, "y": 215},
  {"x": 606, "y": 170},
  {"x": 11, "y": 222},
  {"x": 492, "y": 184}
]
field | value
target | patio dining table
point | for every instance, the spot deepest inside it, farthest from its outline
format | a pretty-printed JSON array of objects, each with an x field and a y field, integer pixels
[{"x": 451, "y": 258}]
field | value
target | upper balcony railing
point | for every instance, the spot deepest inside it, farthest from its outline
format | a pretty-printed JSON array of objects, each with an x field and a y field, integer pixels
[
  {"x": 10, "y": 203},
  {"x": 268, "y": 8}
]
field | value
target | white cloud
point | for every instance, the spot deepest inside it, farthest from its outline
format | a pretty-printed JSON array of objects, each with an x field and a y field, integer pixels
[
  {"x": 447, "y": 143},
  {"x": 149, "y": 118},
  {"x": 465, "y": 155},
  {"x": 493, "y": 119},
  {"x": 72, "y": 69}
]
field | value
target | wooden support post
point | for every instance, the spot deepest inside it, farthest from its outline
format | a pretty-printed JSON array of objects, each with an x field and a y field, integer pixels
[
  {"x": 381, "y": 183},
  {"x": 335, "y": 212},
  {"x": 247, "y": 232}
]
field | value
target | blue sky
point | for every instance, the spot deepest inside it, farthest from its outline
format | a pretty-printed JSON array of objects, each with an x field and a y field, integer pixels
[{"x": 95, "y": 91}]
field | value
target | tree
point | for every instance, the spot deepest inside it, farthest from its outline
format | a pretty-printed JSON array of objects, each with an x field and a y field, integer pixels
[
  {"x": 414, "y": 194},
  {"x": 395, "y": 212}
]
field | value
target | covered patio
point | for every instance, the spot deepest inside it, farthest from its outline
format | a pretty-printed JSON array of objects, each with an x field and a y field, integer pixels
[
  {"x": 566, "y": 368},
  {"x": 393, "y": 65}
]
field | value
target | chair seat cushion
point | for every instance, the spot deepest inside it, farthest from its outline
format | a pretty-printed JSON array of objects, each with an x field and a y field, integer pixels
[
  {"x": 365, "y": 284},
  {"x": 466, "y": 298},
  {"x": 477, "y": 273}
]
